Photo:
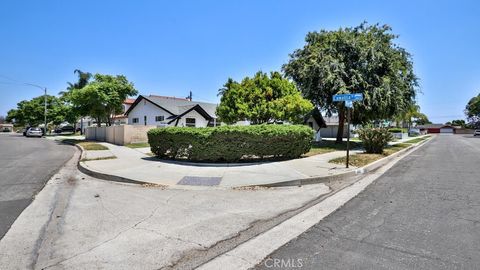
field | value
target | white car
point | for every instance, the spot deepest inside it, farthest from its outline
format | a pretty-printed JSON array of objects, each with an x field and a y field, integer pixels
[
  {"x": 477, "y": 132},
  {"x": 34, "y": 132}
]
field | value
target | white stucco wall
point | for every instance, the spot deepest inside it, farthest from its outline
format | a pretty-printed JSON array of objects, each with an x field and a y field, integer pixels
[
  {"x": 199, "y": 122},
  {"x": 145, "y": 108}
]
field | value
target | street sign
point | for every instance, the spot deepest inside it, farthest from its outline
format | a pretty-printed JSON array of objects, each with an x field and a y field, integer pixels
[
  {"x": 346, "y": 97},
  {"x": 349, "y": 99}
]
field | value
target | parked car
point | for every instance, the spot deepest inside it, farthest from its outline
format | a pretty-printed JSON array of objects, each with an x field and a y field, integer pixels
[
  {"x": 34, "y": 132},
  {"x": 477, "y": 132},
  {"x": 65, "y": 129},
  {"x": 25, "y": 131}
]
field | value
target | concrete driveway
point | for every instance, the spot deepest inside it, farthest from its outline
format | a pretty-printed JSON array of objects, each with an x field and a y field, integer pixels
[
  {"x": 424, "y": 213},
  {"x": 25, "y": 165}
]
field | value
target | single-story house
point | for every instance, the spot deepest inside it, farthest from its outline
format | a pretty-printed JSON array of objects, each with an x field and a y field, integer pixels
[
  {"x": 436, "y": 128},
  {"x": 171, "y": 111},
  {"x": 315, "y": 120}
]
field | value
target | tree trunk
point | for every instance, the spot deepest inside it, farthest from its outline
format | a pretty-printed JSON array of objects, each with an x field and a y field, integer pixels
[{"x": 341, "y": 123}]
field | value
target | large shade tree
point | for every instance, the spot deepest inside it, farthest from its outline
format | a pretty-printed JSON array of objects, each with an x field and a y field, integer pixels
[
  {"x": 31, "y": 112},
  {"x": 472, "y": 110},
  {"x": 262, "y": 99},
  {"x": 102, "y": 97},
  {"x": 364, "y": 59}
]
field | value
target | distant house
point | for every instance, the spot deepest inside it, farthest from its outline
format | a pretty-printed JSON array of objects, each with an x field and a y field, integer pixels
[
  {"x": 171, "y": 111},
  {"x": 122, "y": 119},
  {"x": 315, "y": 120},
  {"x": 436, "y": 128}
]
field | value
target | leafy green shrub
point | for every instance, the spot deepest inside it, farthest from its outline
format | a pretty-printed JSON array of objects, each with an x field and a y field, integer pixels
[
  {"x": 230, "y": 143},
  {"x": 374, "y": 139},
  {"x": 396, "y": 130}
]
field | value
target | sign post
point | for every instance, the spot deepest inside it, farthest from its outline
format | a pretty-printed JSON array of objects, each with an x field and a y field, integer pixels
[{"x": 348, "y": 99}]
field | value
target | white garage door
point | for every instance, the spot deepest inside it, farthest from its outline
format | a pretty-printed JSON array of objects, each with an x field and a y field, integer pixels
[{"x": 446, "y": 130}]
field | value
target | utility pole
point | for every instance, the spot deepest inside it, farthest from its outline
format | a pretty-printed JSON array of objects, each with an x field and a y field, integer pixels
[
  {"x": 348, "y": 136},
  {"x": 45, "y": 112}
]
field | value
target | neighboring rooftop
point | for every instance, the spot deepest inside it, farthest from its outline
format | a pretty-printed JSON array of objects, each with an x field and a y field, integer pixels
[
  {"x": 177, "y": 106},
  {"x": 433, "y": 126}
]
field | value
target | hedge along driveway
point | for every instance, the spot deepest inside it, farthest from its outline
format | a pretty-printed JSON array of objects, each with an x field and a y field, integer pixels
[{"x": 231, "y": 143}]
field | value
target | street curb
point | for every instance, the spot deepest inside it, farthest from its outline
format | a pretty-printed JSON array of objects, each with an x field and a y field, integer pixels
[
  {"x": 81, "y": 167},
  {"x": 338, "y": 177},
  {"x": 298, "y": 182}
]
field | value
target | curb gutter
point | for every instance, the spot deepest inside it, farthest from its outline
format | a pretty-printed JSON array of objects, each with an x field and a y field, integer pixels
[
  {"x": 298, "y": 182},
  {"x": 363, "y": 170},
  {"x": 84, "y": 169}
]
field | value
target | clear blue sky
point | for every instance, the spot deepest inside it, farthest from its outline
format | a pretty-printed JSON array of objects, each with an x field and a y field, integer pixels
[{"x": 171, "y": 47}]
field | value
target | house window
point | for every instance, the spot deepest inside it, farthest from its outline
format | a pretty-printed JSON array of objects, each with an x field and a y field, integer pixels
[
  {"x": 190, "y": 122},
  {"x": 159, "y": 118},
  {"x": 135, "y": 120}
]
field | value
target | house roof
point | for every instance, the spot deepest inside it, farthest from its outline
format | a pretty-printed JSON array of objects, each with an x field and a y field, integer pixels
[
  {"x": 177, "y": 107},
  {"x": 197, "y": 108},
  {"x": 433, "y": 126},
  {"x": 317, "y": 116},
  {"x": 129, "y": 101}
]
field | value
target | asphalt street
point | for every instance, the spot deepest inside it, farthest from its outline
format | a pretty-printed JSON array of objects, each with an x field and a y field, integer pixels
[
  {"x": 25, "y": 166},
  {"x": 424, "y": 213}
]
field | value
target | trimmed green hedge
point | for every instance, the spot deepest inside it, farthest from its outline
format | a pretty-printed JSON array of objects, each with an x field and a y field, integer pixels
[
  {"x": 231, "y": 143},
  {"x": 397, "y": 130}
]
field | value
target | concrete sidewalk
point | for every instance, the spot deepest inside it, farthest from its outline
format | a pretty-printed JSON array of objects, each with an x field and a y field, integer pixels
[
  {"x": 138, "y": 165},
  {"x": 79, "y": 222}
]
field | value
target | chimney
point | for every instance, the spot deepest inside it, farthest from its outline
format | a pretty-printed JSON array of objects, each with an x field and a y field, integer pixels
[{"x": 189, "y": 97}]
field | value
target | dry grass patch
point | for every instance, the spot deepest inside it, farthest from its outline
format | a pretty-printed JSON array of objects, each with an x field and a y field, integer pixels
[
  {"x": 91, "y": 146},
  {"x": 99, "y": 158},
  {"x": 362, "y": 159},
  {"x": 417, "y": 140},
  {"x": 87, "y": 145}
]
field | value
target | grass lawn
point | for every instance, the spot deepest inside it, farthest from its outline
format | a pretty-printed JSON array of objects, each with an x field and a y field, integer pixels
[
  {"x": 87, "y": 145},
  {"x": 330, "y": 146},
  {"x": 417, "y": 140},
  {"x": 362, "y": 159},
  {"x": 137, "y": 145},
  {"x": 100, "y": 158}
]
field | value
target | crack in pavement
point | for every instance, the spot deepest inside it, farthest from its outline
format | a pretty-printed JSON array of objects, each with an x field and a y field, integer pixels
[
  {"x": 104, "y": 242},
  {"x": 171, "y": 237}
]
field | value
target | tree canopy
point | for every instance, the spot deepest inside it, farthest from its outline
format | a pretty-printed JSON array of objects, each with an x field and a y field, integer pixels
[
  {"x": 102, "y": 98},
  {"x": 31, "y": 112},
  {"x": 363, "y": 59},
  {"x": 472, "y": 110},
  {"x": 262, "y": 99}
]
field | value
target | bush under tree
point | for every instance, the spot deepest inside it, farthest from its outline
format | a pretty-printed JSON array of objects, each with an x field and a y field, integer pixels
[{"x": 231, "y": 143}]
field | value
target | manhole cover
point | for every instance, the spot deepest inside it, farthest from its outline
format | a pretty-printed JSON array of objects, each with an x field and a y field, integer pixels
[{"x": 200, "y": 181}]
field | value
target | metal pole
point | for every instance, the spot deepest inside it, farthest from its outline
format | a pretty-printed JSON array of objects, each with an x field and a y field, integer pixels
[
  {"x": 348, "y": 135},
  {"x": 45, "y": 113}
]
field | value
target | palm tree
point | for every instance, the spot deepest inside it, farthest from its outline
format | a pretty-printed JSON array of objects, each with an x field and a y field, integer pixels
[{"x": 83, "y": 80}]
